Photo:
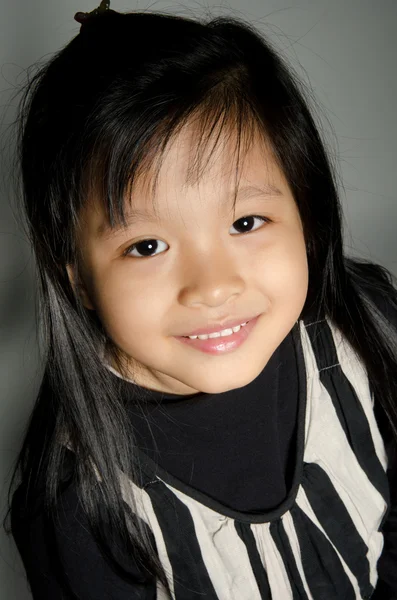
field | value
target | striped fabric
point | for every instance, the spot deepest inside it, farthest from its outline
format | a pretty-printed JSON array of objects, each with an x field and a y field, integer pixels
[{"x": 324, "y": 540}]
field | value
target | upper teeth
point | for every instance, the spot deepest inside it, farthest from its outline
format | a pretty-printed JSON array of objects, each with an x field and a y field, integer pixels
[{"x": 216, "y": 334}]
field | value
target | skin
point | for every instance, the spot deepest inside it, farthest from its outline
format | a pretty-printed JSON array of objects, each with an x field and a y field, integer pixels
[{"x": 206, "y": 268}]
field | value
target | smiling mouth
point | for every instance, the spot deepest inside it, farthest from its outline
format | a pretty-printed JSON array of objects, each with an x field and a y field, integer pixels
[
  {"x": 217, "y": 334},
  {"x": 217, "y": 344}
]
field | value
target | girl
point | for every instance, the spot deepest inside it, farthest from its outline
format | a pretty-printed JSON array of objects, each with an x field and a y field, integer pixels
[{"x": 217, "y": 416}]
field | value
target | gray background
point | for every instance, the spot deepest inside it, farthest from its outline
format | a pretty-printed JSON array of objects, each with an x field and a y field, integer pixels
[{"x": 345, "y": 49}]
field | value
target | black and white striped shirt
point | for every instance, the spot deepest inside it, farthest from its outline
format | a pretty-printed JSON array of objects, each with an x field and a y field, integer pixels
[
  {"x": 314, "y": 532},
  {"x": 324, "y": 540}
]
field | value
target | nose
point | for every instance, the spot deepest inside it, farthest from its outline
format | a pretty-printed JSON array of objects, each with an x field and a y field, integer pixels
[{"x": 212, "y": 280}]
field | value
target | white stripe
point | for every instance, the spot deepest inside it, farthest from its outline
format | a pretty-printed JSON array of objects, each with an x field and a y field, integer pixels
[
  {"x": 144, "y": 509},
  {"x": 304, "y": 504},
  {"x": 311, "y": 372},
  {"x": 290, "y": 531},
  {"x": 355, "y": 372},
  {"x": 224, "y": 553},
  {"x": 272, "y": 562}
]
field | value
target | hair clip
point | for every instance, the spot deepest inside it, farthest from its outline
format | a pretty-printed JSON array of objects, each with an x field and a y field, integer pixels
[{"x": 82, "y": 17}]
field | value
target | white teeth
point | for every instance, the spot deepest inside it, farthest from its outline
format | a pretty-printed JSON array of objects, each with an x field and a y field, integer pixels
[{"x": 216, "y": 334}]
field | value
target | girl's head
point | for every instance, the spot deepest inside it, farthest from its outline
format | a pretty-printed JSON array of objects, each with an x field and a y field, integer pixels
[
  {"x": 153, "y": 127},
  {"x": 203, "y": 262}
]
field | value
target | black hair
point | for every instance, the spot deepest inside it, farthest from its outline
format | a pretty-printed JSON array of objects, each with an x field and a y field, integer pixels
[{"x": 98, "y": 114}]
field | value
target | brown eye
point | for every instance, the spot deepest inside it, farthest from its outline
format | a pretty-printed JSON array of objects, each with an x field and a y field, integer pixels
[
  {"x": 245, "y": 223},
  {"x": 145, "y": 248}
]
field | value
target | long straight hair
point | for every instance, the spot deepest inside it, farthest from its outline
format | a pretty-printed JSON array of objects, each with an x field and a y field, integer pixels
[{"x": 96, "y": 116}]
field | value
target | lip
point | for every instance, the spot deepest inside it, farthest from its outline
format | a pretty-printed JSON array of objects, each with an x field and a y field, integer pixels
[
  {"x": 219, "y": 326},
  {"x": 221, "y": 345}
]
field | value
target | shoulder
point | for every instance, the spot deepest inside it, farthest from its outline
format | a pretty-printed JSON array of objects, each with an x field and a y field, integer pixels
[
  {"x": 53, "y": 546},
  {"x": 28, "y": 499},
  {"x": 31, "y": 525},
  {"x": 376, "y": 284}
]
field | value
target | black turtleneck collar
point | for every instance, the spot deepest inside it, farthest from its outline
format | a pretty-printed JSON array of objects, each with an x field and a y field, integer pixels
[{"x": 234, "y": 446}]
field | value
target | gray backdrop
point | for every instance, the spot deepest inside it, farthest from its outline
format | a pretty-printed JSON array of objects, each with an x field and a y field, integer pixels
[{"x": 346, "y": 49}]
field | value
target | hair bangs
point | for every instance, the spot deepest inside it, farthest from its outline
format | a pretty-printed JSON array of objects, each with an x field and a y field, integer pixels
[{"x": 123, "y": 154}]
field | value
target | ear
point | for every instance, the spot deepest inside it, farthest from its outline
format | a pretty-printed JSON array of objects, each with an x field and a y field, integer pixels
[{"x": 79, "y": 288}]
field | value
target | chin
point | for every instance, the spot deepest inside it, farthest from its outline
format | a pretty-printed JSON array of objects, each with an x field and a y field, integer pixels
[{"x": 219, "y": 387}]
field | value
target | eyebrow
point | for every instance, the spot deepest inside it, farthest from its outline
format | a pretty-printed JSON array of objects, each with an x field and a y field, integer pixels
[{"x": 136, "y": 215}]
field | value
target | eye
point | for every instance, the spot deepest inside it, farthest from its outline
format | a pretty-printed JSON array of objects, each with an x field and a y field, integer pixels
[
  {"x": 147, "y": 248},
  {"x": 246, "y": 222}
]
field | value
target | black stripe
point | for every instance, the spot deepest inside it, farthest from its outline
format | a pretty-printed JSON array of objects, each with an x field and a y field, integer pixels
[
  {"x": 282, "y": 542},
  {"x": 246, "y": 535},
  {"x": 347, "y": 406},
  {"x": 337, "y": 523},
  {"x": 323, "y": 569},
  {"x": 190, "y": 576}
]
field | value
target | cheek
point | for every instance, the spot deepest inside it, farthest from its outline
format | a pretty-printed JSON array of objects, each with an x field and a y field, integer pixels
[
  {"x": 282, "y": 259},
  {"x": 296, "y": 263},
  {"x": 298, "y": 275},
  {"x": 286, "y": 283},
  {"x": 285, "y": 278},
  {"x": 128, "y": 307}
]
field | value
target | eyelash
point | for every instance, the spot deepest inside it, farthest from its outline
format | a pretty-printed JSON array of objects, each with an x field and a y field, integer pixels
[{"x": 125, "y": 253}]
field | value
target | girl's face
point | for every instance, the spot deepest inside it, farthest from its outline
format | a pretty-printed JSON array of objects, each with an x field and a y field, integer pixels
[{"x": 205, "y": 267}]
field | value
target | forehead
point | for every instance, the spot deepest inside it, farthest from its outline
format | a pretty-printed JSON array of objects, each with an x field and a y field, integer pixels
[
  {"x": 190, "y": 165},
  {"x": 226, "y": 167},
  {"x": 223, "y": 167}
]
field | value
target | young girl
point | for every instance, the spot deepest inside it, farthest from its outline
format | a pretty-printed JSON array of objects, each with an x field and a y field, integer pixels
[{"x": 217, "y": 416}]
